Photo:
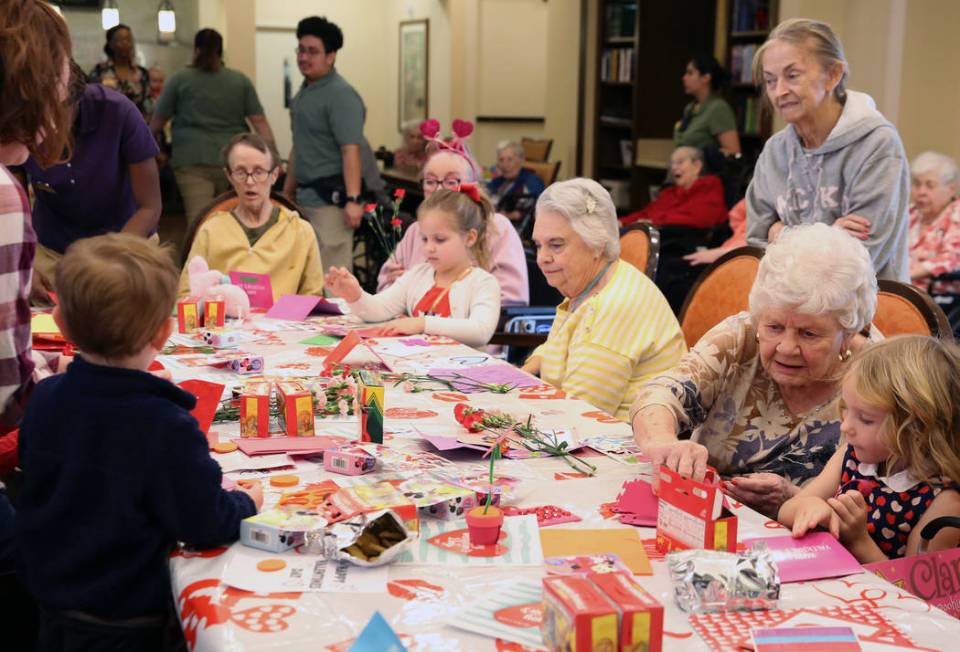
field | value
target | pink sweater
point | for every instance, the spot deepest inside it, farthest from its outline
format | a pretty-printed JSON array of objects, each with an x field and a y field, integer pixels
[{"x": 507, "y": 262}]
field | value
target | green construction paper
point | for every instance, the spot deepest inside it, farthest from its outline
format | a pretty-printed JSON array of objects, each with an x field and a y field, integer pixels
[{"x": 321, "y": 340}]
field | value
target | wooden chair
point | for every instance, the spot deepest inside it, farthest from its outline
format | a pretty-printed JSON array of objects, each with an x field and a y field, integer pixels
[
  {"x": 640, "y": 246},
  {"x": 721, "y": 290},
  {"x": 904, "y": 309},
  {"x": 225, "y": 202},
  {"x": 546, "y": 171},
  {"x": 537, "y": 150}
]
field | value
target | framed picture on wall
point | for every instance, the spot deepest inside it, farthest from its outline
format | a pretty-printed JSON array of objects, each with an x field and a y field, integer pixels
[{"x": 414, "y": 71}]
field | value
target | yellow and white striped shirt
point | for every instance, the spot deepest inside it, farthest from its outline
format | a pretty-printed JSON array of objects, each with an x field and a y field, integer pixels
[{"x": 603, "y": 351}]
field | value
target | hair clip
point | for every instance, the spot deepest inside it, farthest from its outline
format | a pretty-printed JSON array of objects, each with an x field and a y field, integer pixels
[
  {"x": 591, "y": 204},
  {"x": 470, "y": 190}
]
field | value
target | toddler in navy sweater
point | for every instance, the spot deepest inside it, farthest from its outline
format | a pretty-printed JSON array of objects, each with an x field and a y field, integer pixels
[{"x": 116, "y": 470}]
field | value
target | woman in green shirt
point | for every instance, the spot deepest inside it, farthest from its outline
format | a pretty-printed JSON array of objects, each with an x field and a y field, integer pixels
[{"x": 707, "y": 122}]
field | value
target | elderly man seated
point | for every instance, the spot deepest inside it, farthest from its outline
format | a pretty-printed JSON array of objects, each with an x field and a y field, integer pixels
[{"x": 515, "y": 189}]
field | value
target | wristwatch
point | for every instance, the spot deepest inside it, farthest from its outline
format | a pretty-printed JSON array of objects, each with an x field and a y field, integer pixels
[{"x": 353, "y": 198}]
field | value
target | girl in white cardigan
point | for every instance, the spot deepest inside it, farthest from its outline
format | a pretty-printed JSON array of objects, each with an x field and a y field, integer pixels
[{"x": 450, "y": 294}]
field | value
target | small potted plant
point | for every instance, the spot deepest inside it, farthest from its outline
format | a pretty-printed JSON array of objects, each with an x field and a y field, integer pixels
[{"x": 484, "y": 523}]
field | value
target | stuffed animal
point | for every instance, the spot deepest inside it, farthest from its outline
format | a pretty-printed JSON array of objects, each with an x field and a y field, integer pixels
[{"x": 206, "y": 283}]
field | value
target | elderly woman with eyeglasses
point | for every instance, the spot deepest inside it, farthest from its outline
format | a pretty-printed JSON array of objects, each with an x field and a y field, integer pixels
[
  {"x": 258, "y": 236},
  {"x": 760, "y": 390},
  {"x": 448, "y": 168},
  {"x": 614, "y": 329}
]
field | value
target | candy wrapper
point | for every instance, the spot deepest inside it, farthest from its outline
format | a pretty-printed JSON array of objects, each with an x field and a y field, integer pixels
[
  {"x": 705, "y": 581},
  {"x": 372, "y": 539}
]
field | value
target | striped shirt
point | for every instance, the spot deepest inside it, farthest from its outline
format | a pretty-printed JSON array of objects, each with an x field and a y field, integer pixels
[
  {"x": 603, "y": 351},
  {"x": 18, "y": 242}
]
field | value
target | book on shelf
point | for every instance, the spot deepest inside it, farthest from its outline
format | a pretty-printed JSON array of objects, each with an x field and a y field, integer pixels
[
  {"x": 741, "y": 63},
  {"x": 750, "y": 16},
  {"x": 621, "y": 20},
  {"x": 616, "y": 65}
]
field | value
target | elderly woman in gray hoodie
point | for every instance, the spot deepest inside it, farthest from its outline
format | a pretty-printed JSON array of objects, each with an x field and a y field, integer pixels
[{"x": 838, "y": 160}]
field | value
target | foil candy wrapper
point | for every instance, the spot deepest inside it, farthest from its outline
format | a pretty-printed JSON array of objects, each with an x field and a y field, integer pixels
[
  {"x": 372, "y": 539},
  {"x": 706, "y": 581}
]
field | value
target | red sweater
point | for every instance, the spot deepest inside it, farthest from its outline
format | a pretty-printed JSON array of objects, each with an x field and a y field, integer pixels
[{"x": 701, "y": 206}]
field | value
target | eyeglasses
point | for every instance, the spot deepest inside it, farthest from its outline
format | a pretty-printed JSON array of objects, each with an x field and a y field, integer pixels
[
  {"x": 240, "y": 175},
  {"x": 310, "y": 52},
  {"x": 432, "y": 184}
]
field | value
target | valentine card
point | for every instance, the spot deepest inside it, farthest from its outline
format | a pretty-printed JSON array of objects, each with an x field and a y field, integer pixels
[
  {"x": 257, "y": 287},
  {"x": 815, "y": 556},
  {"x": 605, "y": 562},
  {"x": 805, "y": 639},
  {"x": 446, "y": 543},
  {"x": 512, "y": 613}
]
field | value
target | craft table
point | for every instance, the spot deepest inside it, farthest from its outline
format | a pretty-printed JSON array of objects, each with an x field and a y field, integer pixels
[{"x": 421, "y": 601}]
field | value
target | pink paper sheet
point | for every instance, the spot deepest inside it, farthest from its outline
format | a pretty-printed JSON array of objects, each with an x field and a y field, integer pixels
[
  {"x": 293, "y": 307},
  {"x": 637, "y": 504},
  {"x": 491, "y": 374},
  {"x": 450, "y": 443},
  {"x": 300, "y": 445},
  {"x": 813, "y": 557}
]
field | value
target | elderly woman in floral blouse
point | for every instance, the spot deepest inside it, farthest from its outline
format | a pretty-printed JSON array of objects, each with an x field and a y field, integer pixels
[
  {"x": 934, "y": 222},
  {"x": 759, "y": 391}
]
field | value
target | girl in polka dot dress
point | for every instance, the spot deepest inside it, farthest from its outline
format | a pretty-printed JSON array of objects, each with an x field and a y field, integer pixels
[{"x": 900, "y": 468}]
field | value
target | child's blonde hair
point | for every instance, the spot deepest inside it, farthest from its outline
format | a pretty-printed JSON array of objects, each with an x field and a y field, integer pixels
[
  {"x": 115, "y": 291},
  {"x": 916, "y": 380},
  {"x": 467, "y": 214}
]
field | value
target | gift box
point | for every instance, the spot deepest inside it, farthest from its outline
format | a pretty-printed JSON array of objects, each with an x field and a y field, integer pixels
[
  {"x": 214, "y": 310},
  {"x": 219, "y": 339},
  {"x": 277, "y": 530},
  {"x": 348, "y": 460},
  {"x": 691, "y": 514},
  {"x": 641, "y": 615},
  {"x": 188, "y": 315},
  {"x": 371, "y": 395},
  {"x": 295, "y": 406},
  {"x": 245, "y": 364},
  {"x": 255, "y": 410},
  {"x": 577, "y": 615}
]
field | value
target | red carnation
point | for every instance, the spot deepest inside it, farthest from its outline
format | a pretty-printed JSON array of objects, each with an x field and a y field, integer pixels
[
  {"x": 369, "y": 208},
  {"x": 399, "y": 193},
  {"x": 459, "y": 411},
  {"x": 396, "y": 223}
]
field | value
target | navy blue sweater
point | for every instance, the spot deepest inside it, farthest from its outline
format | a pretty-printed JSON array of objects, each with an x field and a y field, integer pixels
[{"x": 116, "y": 471}]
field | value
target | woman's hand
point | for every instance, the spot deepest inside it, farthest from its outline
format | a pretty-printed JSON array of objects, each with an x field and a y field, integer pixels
[
  {"x": 811, "y": 512},
  {"x": 851, "y": 510},
  {"x": 403, "y": 326},
  {"x": 858, "y": 227},
  {"x": 343, "y": 284},
  {"x": 687, "y": 458},
  {"x": 765, "y": 492},
  {"x": 705, "y": 256}
]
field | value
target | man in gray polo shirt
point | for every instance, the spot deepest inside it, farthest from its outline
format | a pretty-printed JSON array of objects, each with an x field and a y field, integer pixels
[{"x": 327, "y": 116}]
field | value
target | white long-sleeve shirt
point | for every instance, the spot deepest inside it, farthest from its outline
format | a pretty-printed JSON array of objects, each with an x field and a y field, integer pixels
[{"x": 474, "y": 304}]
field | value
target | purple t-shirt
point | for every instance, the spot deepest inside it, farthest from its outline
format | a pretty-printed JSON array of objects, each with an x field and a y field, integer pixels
[{"x": 91, "y": 194}]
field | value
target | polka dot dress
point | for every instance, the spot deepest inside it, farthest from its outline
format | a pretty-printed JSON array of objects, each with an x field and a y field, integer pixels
[{"x": 892, "y": 514}]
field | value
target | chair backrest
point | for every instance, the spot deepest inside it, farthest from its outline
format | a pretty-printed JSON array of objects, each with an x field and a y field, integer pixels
[
  {"x": 905, "y": 309},
  {"x": 536, "y": 149},
  {"x": 721, "y": 290},
  {"x": 225, "y": 202},
  {"x": 640, "y": 246},
  {"x": 546, "y": 171}
]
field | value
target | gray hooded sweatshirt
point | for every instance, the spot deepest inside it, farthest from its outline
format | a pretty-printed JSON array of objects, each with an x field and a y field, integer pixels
[{"x": 860, "y": 169}]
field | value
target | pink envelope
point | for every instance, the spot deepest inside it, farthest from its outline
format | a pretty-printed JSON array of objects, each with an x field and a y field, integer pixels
[
  {"x": 293, "y": 307},
  {"x": 812, "y": 557},
  {"x": 299, "y": 445}
]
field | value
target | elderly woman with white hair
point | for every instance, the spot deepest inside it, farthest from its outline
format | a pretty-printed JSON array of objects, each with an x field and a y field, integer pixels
[
  {"x": 838, "y": 160},
  {"x": 515, "y": 188},
  {"x": 614, "y": 329},
  {"x": 934, "y": 222},
  {"x": 759, "y": 391}
]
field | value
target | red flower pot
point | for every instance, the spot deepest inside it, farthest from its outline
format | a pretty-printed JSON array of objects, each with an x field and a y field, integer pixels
[{"x": 484, "y": 529}]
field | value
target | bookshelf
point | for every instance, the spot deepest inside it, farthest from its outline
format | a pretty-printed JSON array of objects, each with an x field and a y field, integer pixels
[
  {"x": 642, "y": 48},
  {"x": 749, "y": 23}
]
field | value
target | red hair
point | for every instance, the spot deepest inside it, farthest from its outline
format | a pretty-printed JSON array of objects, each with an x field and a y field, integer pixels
[{"x": 34, "y": 46}]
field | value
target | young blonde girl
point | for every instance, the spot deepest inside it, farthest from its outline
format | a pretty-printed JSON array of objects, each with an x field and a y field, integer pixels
[
  {"x": 900, "y": 467},
  {"x": 450, "y": 294}
]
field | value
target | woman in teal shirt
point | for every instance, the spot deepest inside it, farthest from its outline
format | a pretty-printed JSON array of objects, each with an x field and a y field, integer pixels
[{"x": 708, "y": 122}]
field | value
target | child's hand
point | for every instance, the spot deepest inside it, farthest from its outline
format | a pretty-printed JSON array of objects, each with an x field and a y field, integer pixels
[
  {"x": 851, "y": 510},
  {"x": 343, "y": 284},
  {"x": 255, "y": 491},
  {"x": 403, "y": 326},
  {"x": 813, "y": 512}
]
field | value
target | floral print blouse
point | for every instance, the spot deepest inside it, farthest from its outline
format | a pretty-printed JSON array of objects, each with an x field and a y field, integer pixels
[
  {"x": 721, "y": 393},
  {"x": 936, "y": 246},
  {"x": 137, "y": 88}
]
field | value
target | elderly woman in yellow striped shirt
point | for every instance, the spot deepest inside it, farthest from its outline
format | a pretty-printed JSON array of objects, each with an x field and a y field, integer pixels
[{"x": 614, "y": 329}]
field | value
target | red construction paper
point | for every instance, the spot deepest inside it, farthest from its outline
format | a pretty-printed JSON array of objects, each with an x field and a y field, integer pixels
[{"x": 208, "y": 398}]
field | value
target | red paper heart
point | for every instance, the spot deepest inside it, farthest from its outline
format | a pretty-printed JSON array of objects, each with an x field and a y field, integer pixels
[
  {"x": 458, "y": 541},
  {"x": 414, "y": 589},
  {"x": 267, "y": 619}
]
